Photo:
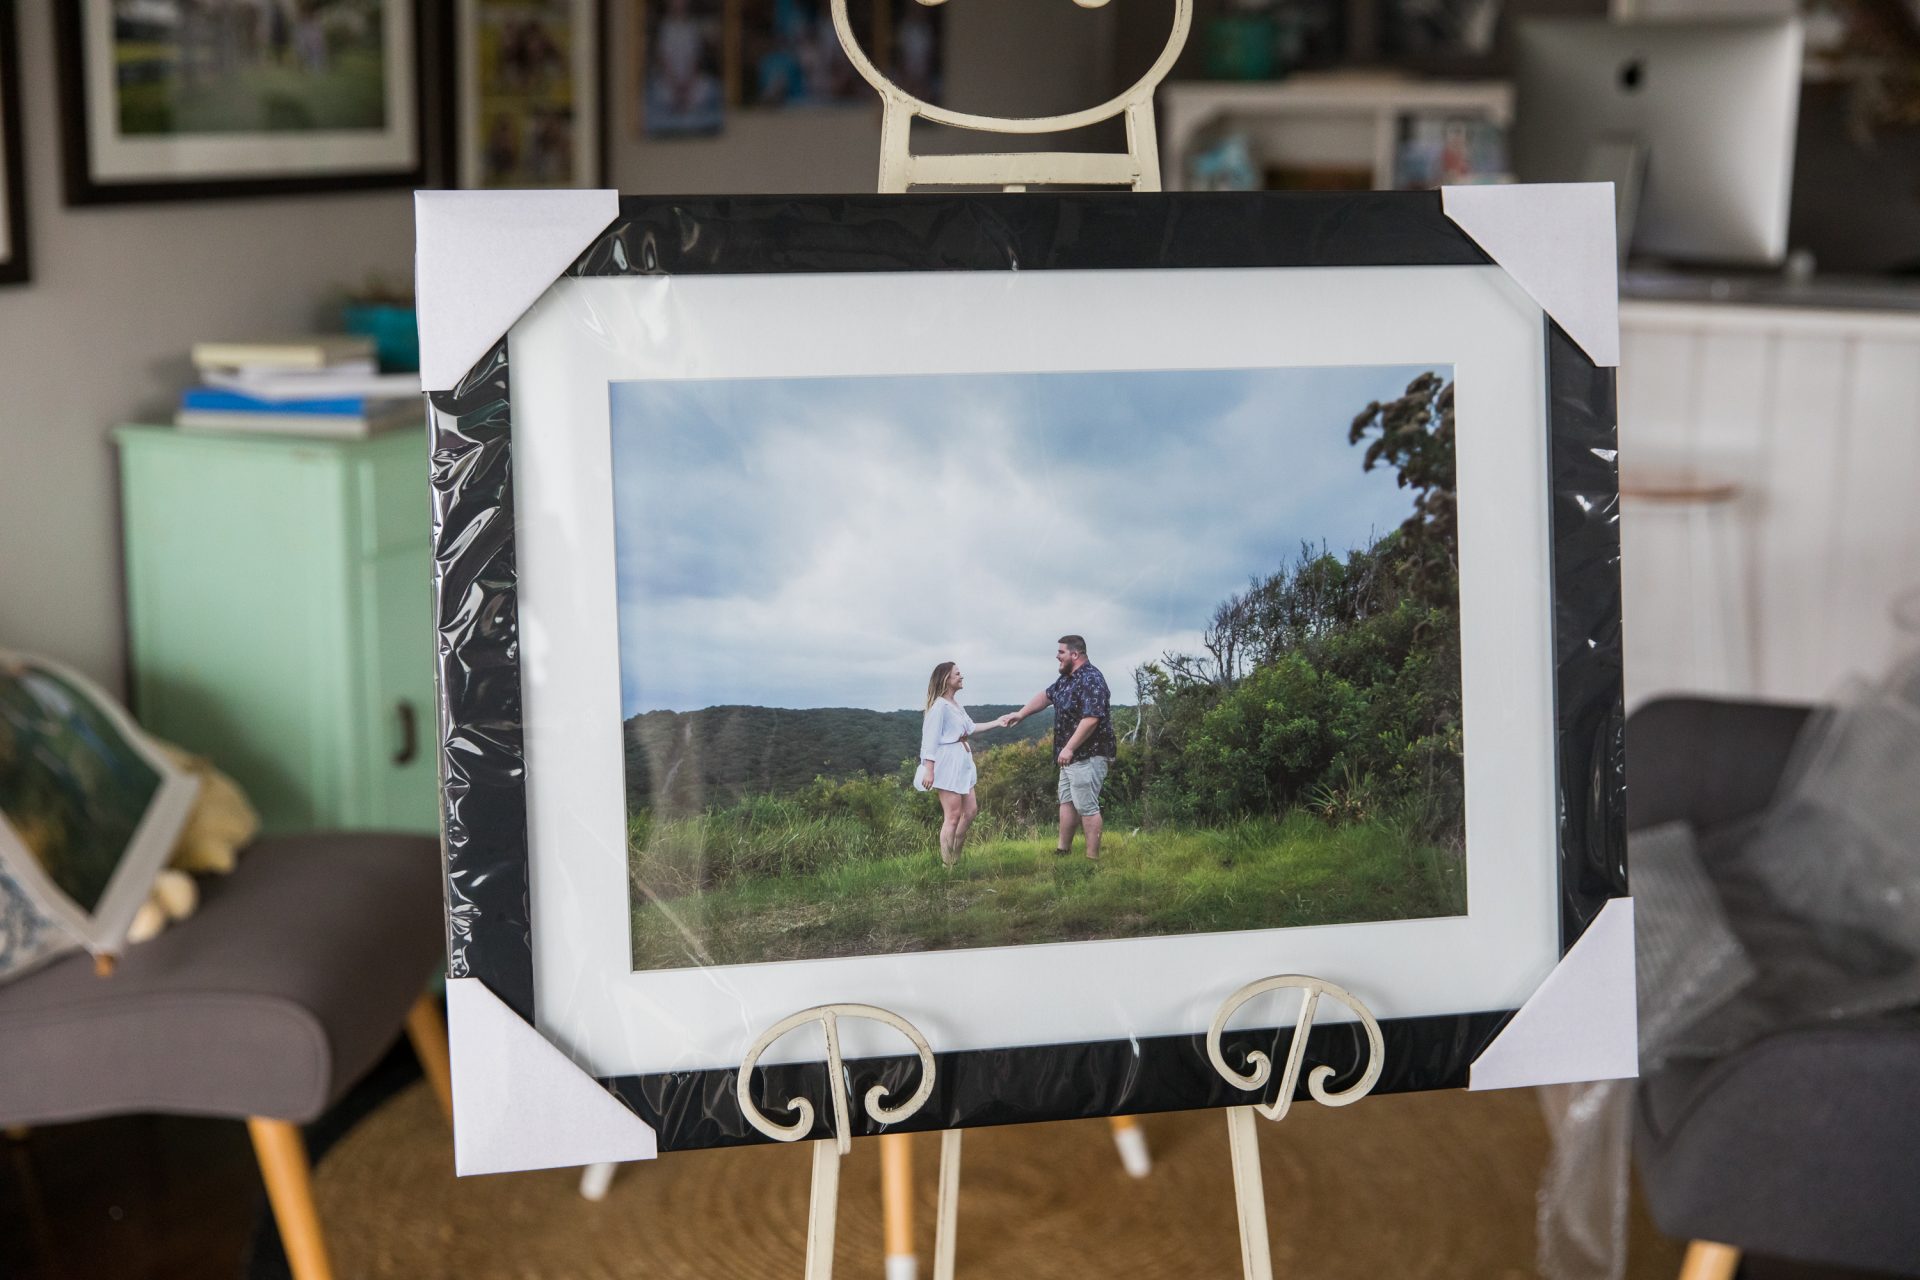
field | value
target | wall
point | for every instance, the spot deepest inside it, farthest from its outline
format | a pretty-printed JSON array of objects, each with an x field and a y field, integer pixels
[
  {"x": 119, "y": 293},
  {"x": 100, "y": 336},
  {"x": 1003, "y": 57},
  {"x": 1794, "y": 584}
]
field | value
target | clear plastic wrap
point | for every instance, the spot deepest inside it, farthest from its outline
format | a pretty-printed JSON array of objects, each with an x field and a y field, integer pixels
[
  {"x": 1799, "y": 916},
  {"x": 1690, "y": 963},
  {"x": 490, "y": 742}
]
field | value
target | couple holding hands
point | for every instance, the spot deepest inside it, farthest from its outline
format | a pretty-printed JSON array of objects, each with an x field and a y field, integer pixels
[{"x": 1083, "y": 747}]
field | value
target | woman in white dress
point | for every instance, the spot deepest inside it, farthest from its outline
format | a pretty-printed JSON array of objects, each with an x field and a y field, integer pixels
[{"x": 946, "y": 758}]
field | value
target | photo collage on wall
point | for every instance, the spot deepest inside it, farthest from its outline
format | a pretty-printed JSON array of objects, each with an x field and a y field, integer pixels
[
  {"x": 527, "y": 101},
  {"x": 699, "y": 58}
]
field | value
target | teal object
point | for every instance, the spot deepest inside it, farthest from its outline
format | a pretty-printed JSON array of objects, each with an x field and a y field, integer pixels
[
  {"x": 279, "y": 616},
  {"x": 395, "y": 331},
  {"x": 1242, "y": 46}
]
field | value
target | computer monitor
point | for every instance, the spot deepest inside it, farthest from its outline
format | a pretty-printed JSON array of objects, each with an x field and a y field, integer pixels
[{"x": 1694, "y": 119}]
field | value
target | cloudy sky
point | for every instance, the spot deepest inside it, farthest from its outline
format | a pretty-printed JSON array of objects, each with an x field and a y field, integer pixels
[{"x": 824, "y": 542}]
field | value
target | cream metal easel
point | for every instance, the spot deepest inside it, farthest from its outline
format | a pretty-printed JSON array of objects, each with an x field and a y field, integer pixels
[
  {"x": 823, "y": 1201},
  {"x": 1138, "y": 168},
  {"x": 1243, "y": 1137},
  {"x": 1256, "y": 1256}
]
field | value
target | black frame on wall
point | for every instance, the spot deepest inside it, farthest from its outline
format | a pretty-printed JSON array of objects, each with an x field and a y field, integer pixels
[
  {"x": 17, "y": 266},
  {"x": 481, "y": 741},
  {"x": 82, "y": 188}
]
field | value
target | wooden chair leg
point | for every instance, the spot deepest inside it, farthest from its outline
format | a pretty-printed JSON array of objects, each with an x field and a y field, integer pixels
[
  {"x": 428, "y": 1032},
  {"x": 283, "y": 1165},
  {"x": 896, "y": 1204},
  {"x": 1708, "y": 1261}
]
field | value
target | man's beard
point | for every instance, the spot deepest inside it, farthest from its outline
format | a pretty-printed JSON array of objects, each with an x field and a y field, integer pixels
[{"x": 1066, "y": 668}]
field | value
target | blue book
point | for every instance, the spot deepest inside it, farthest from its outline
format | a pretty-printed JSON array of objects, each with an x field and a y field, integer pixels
[{"x": 220, "y": 399}]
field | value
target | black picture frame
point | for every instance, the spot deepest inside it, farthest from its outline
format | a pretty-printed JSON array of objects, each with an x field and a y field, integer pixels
[
  {"x": 481, "y": 739},
  {"x": 459, "y": 77},
  {"x": 83, "y": 187},
  {"x": 17, "y": 266}
]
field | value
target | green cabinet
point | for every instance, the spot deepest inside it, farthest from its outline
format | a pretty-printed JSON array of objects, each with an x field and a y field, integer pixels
[{"x": 279, "y": 618}]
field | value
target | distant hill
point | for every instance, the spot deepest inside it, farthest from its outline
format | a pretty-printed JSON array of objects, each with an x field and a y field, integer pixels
[{"x": 720, "y": 754}]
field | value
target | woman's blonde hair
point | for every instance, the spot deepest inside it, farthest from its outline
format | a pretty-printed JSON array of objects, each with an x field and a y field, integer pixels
[{"x": 937, "y": 682}]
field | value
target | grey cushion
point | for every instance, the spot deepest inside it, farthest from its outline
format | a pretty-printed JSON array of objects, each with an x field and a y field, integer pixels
[
  {"x": 1805, "y": 1145},
  {"x": 290, "y": 981},
  {"x": 1706, "y": 761}
]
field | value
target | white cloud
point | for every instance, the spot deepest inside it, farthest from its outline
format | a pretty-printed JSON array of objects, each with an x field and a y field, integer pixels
[{"x": 824, "y": 542}]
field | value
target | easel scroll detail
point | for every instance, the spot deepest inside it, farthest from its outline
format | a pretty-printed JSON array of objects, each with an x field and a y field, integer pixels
[
  {"x": 1260, "y": 1064},
  {"x": 828, "y": 1016}
]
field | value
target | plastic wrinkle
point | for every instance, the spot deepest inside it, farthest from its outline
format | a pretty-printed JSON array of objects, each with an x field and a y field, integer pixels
[
  {"x": 940, "y": 232},
  {"x": 483, "y": 747},
  {"x": 482, "y": 758}
]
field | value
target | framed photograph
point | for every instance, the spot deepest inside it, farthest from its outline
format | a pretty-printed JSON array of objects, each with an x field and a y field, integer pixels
[
  {"x": 912, "y": 47},
  {"x": 683, "y": 58},
  {"x": 15, "y": 265},
  {"x": 834, "y": 615},
  {"x": 238, "y": 97},
  {"x": 1252, "y": 760},
  {"x": 791, "y": 57},
  {"x": 90, "y": 808},
  {"x": 528, "y": 93}
]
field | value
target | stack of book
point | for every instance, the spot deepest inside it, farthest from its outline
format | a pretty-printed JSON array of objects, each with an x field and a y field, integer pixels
[{"x": 318, "y": 386}]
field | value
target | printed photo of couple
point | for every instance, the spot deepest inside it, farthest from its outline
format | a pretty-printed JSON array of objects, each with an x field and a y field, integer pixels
[
  {"x": 1083, "y": 747},
  {"x": 928, "y": 662}
]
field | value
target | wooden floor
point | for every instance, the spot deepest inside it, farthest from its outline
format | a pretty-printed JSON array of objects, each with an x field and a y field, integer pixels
[{"x": 168, "y": 1198}]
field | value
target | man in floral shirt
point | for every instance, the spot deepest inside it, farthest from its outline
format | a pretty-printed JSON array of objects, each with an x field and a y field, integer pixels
[{"x": 1082, "y": 740}]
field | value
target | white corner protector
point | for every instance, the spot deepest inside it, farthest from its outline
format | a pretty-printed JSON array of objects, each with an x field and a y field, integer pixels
[
  {"x": 519, "y": 1103},
  {"x": 1556, "y": 239},
  {"x": 1580, "y": 1023},
  {"x": 481, "y": 258}
]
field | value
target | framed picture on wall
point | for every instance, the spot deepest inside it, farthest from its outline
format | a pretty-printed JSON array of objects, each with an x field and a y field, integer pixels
[
  {"x": 791, "y": 57},
  {"x": 14, "y": 266},
  {"x": 684, "y": 64},
  {"x": 910, "y": 43},
  {"x": 238, "y": 97},
  {"x": 528, "y": 93},
  {"x": 833, "y": 615}
]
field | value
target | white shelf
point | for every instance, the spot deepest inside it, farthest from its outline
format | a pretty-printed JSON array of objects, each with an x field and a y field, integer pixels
[{"x": 1319, "y": 118}]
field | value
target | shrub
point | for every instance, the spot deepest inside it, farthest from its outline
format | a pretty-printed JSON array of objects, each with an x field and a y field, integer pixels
[{"x": 1018, "y": 785}]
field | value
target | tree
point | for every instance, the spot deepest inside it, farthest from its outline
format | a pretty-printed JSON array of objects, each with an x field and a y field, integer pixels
[
  {"x": 1225, "y": 638},
  {"x": 1415, "y": 436}
]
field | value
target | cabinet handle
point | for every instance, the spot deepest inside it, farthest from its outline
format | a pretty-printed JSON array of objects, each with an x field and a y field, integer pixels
[{"x": 409, "y": 746}]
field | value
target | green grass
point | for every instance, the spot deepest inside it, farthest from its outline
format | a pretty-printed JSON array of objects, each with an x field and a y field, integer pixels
[
  {"x": 264, "y": 98},
  {"x": 691, "y": 908}
]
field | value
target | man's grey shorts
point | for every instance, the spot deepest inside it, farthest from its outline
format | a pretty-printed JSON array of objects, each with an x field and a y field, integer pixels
[{"x": 1080, "y": 784}]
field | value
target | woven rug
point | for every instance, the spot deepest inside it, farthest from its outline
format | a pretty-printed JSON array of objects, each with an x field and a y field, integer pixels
[{"x": 1412, "y": 1186}]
